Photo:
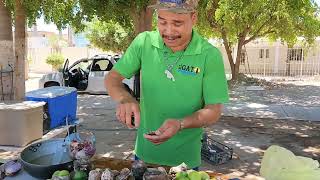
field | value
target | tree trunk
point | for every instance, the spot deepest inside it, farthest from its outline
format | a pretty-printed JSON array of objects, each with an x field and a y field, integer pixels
[
  {"x": 6, "y": 53},
  {"x": 20, "y": 50},
  {"x": 238, "y": 59},
  {"x": 142, "y": 20}
]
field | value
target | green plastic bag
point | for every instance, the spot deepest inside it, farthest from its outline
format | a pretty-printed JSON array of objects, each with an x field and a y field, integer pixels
[{"x": 279, "y": 163}]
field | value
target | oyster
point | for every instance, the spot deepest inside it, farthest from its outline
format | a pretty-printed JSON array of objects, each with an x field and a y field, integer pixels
[
  {"x": 155, "y": 174},
  {"x": 95, "y": 174},
  {"x": 107, "y": 174},
  {"x": 125, "y": 174},
  {"x": 138, "y": 169},
  {"x": 11, "y": 168}
]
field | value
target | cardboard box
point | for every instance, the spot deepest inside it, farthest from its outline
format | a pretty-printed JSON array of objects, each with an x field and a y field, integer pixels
[{"x": 20, "y": 122}]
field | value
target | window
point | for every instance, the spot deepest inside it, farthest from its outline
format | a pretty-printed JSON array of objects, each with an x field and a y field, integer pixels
[
  {"x": 295, "y": 55},
  {"x": 261, "y": 53},
  {"x": 102, "y": 65},
  {"x": 267, "y": 54},
  {"x": 264, "y": 53},
  {"x": 243, "y": 56}
]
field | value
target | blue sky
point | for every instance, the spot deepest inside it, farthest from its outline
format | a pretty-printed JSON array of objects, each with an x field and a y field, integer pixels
[{"x": 52, "y": 28}]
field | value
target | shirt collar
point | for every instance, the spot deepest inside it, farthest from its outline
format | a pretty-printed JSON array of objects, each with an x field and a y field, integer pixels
[{"x": 193, "y": 48}]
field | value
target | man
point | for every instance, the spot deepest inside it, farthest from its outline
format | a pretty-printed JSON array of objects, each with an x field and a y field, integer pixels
[{"x": 183, "y": 85}]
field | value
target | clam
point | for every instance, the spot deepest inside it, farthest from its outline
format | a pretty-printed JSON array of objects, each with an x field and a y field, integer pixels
[
  {"x": 11, "y": 168},
  {"x": 95, "y": 174},
  {"x": 138, "y": 169},
  {"x": 107, "y": 174},
  {"x": 155, "y": 174},
  {"x": 125, "y": 174}
]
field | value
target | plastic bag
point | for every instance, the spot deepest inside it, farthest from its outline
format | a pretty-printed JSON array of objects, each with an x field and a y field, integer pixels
[{"x": 279, "y": 163}]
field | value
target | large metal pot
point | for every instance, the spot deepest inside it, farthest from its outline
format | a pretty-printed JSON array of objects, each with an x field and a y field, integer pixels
[{"x": 42, "y": 159}]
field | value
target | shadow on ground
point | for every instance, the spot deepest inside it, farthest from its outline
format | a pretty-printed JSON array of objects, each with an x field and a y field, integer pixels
[{"x": 250, "y": 137}]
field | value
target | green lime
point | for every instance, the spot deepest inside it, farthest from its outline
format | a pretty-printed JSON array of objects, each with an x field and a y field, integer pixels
[
  {"x": 63, "y": 173},
  {"x": 194, "y": 175},
  {"x": 204, "y": 175}
]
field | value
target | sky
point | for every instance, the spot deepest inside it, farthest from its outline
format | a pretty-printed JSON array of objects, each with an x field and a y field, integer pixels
[{"x": 42, "y": 26}]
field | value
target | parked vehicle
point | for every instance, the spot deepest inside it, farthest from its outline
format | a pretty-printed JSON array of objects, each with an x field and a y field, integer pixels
[{"x": 86, "y": 75}]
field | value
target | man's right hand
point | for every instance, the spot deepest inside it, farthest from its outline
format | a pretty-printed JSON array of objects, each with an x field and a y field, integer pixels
[{"x": 125, "y": 109}]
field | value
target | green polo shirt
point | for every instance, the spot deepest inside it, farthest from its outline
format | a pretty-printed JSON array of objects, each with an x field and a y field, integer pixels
[{"x": 199, "y": 80}]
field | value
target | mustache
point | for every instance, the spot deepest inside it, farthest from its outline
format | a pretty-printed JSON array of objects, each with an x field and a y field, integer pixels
[{"x": 167, "y": 36}]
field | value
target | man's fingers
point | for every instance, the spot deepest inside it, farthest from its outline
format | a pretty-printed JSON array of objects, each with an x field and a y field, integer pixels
[
  {"x": 119, "y": 113},
  {"x": 136, "y": 113}
]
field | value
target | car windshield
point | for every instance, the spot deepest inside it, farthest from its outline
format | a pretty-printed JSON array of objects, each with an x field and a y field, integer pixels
[{"x": 84, "y": 65}]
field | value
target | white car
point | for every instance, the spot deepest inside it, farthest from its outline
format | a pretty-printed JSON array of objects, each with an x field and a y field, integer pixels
[{"x": 86, "y": 75}]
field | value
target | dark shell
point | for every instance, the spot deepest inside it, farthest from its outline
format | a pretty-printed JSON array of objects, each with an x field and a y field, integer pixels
[
  {"x": 107, "y": 175},
  {"x": 125, "y": 174},
  {"x": 155, "y": 174},
  {"x": 11, "y": 168},
  {"x": 138, "y": 169},
  {"x": 95, "y": 174}
]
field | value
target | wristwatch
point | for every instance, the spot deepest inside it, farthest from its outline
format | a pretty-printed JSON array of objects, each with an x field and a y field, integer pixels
[{"x": 181, "y": 125}]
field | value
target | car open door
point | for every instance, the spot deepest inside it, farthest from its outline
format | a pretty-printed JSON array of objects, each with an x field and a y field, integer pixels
[
  {"x": 65, "y": 73},
  {"x": 99, "y": 69}
]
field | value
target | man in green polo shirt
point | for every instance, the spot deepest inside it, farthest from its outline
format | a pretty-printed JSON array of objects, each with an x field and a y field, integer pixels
[{"x": 183, "y": 87}]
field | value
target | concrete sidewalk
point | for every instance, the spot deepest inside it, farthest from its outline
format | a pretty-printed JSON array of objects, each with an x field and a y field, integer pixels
[{"x": 274, "y": 111}]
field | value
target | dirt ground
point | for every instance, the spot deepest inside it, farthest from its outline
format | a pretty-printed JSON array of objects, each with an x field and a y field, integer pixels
[{"x": 250, "y": 137}]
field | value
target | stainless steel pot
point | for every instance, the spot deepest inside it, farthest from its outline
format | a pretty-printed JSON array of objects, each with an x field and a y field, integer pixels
[{"x": 42, "y": 159}]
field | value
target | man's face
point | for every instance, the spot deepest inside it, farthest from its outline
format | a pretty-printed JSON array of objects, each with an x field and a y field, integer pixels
[{"x": 175, "y": 29}]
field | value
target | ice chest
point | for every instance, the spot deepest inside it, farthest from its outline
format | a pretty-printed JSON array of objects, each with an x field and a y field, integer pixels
[
  {"x": 20, "y": 122},
  {"x": 61, "y": 103}
]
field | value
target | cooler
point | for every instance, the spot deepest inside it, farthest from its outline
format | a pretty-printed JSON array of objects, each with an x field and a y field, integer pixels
[{"x": 61, "y": 103}]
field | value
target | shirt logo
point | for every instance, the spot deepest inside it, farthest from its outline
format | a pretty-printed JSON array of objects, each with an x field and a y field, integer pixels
[{"x": 188, "y": 70}]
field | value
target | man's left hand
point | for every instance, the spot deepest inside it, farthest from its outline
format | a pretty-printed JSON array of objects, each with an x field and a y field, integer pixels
[{"x": 169, "y": 128}]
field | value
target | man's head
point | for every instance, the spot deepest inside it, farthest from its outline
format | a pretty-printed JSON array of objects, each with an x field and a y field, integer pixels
[{"x": 175, "y": 21}]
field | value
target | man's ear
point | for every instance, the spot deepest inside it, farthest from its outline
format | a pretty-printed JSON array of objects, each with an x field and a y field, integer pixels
[{"x": 194, "y": 17}]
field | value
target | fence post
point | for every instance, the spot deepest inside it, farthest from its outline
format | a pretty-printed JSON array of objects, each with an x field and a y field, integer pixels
[{"x": 301, "y": 65}]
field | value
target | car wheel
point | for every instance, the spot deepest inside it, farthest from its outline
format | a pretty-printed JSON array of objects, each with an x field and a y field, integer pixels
[{"x": 50, "y": 84}]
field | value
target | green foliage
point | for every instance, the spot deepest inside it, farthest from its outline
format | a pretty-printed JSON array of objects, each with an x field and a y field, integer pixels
[
  {"x": 242, "y": 21},
  {"x": 55, "y": 60},
  {"x": 109, "y": 36},
  {"x": 57, "y": 43},
  {"x": 251, "y": 19}
]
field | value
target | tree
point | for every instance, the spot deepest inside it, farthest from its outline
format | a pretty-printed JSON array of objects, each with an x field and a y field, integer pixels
[
  {"x": 109, "y": 35},
  {"x": 6, "y": 50},
  {"x": 56, "y": 43},
  {"x": 238, "y": 22},
  {"x": 20, "y": 50},
  {"x": 133, "y": 14},
  {"x": 60, "y": 12},
  {"x": 55, "y": 60}
]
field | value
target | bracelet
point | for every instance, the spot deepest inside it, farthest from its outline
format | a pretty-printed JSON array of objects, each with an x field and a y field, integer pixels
[{"x": 181, "y": 125}]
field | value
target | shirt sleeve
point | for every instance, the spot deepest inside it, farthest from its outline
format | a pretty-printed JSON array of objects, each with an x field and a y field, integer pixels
[
  {"x": 130, "y": 62},
  {"x": 215, "y": 87}
]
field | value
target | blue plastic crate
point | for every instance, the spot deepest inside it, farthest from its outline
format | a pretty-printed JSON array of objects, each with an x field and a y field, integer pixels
[{"x": 61, "y": 102}]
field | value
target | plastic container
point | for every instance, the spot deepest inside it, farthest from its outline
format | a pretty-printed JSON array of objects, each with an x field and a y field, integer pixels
[
  {"x": 20, "y": 122},
  {"x": 215, "y": 152},
  {"x": 61, "y": 102}
]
